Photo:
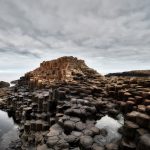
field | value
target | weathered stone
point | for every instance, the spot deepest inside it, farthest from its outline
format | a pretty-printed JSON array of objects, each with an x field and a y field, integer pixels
[
  {"x": 42, "y": 147},
  {"x": 80, "y": 126},
  {"x": 132, "y": 116},
  {"x": 143, "y": 120},
  {"x": 138, "y": 99},
  {"x": 52, "y": 140},
  {"x": 76, "y": 133},
  {"x": 62, "y": 144},
  {"x": 95, "y": 130},
  {"x": 127, "y": 145},
  {"x": 71, "y": 139},
  {"x": 97, "y": 147},
  {"x": 33, "y": 125},
  {"x": 86, "y": 142},
  {"x": 38, "y": 125},
  {"x": 88, "y": 132},
  {"x": 148, "y": 109},
  {"x": 141, "y": 108},
  {"x": 144, "y": 142},
  {"x": 130, "y": 129},
  {"x": 111, "y": 146},
  {"x": 69, "y": 125},
  {"x": 27, "y": 126},
  {"x": 45, "y": 126}
]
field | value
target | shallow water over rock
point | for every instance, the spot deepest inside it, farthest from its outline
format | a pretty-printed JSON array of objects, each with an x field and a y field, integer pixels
[
  {"x": 111, "y": 126},
  {"x": 8, "y": 130}
]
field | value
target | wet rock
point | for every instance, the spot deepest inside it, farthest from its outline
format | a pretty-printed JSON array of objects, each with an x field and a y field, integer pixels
[
  {"x": 112, "y": 146},
  {"x": 130, "y": 129},
  {"x": 69, "y": 125},
  {"x": 72, "y": 139},
  {"x": 33, "y": 125},
  {"x": 52, "y": 141},
  {"x": 63, "y": 144},
  {"x": 38, "y": 125},
  {"x": 139, "y": 133},
  {"x": 141, "y": 108},
  {"x": 144, "y": 142},
  {"x": 80, "y": 126},
  {"x": 97, "y": 147},
  {"x": 27, "y": 126},
  {"x": 95, "y": 130},
  {"x": 99, "y": 140},
  {"x": 148, "y": 109},
  {"x": 86, "y": 142},
  {"x": 88, "y": 132},
  {"x": 132, "y": 116},
  {"x": 127, "y": 145},
  {"x": 143, "y": 120},
  {"x": 76, "y": 133},
  {"x": 42, "y": 147}
]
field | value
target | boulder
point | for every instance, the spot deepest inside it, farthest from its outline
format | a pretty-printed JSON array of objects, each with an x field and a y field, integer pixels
[
  {"x": 144, "y": 142},
  {"x": 86, "y": 142},
  {"x": 4, "y": 84}
]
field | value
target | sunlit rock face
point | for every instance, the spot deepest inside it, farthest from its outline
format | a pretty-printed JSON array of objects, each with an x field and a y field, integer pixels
[{"x": 61, "y": 69}]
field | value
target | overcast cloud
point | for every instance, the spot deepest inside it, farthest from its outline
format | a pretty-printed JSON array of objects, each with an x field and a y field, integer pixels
[{"x": 111, "y": 35}]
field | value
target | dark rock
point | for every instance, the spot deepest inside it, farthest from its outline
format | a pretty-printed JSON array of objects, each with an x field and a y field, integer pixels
[
  {"x": 111, "y": 146},
  {"x": 97, "y": 147},
  {"x": 86, "y": 142},
  {"x": 69, "y": 125},
  {"x": 127, "y": 145},
  {"x": 130, "y": 129},
  {"x": 4, "y": 84},
  {"x": 143, "y": 120},
  {"x": 144, "y": 142},
  {"x": 52, "y": 141},
  {"x": 80, "y": 126}
]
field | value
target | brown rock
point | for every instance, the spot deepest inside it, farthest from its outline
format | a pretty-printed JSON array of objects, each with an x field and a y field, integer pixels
[
  {"x": 144, "y": 142},
  {"x": 130, "y": 129},
  {"x": 143, "y": 120}
]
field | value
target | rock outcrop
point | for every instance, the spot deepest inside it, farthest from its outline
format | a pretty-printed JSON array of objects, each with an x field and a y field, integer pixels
[
  {"x": 59, "y": 111},
  {"x": 4, "y": 84},
  {"x": 61, "y": 69}
]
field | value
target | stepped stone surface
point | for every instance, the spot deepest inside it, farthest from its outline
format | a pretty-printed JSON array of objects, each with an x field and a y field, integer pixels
[
  {"x": 61, "y": 69},
  {"x": 58, "y": 109}
]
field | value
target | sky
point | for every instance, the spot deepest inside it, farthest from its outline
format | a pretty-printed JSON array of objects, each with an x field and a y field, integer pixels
[{"x": 110, "y": 35}]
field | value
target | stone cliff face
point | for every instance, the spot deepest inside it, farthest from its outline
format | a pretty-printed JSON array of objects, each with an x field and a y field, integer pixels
[{"x": 61, "y": 69}]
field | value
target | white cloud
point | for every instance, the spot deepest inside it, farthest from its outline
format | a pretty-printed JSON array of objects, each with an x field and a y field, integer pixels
[{"x": 111, "y": 35}]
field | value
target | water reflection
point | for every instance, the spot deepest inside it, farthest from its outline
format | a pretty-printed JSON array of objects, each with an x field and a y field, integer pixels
[{"x": 8, "y": 130}]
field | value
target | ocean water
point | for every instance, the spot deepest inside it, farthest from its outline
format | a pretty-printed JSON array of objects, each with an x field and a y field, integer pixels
[{"x": 8, "y": 130}]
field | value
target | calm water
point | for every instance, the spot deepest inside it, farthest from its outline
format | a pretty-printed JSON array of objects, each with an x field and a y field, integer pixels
[{"x": 8, "y": 130}]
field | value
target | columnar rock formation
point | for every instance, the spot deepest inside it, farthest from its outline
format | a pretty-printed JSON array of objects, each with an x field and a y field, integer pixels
[
  {"x": 61, "y": 69},
  {"x": 60, "y": 113}
]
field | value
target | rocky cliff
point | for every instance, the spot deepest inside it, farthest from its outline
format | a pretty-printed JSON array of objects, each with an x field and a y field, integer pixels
[{"x": 62, "y": 69}]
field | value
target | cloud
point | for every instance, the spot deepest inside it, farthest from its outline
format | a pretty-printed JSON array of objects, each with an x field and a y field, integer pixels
[{"x": 111, "y": 35}]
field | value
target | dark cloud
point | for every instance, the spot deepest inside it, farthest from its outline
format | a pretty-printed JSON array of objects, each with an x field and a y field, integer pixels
[{"x": 111, "y": 35}]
